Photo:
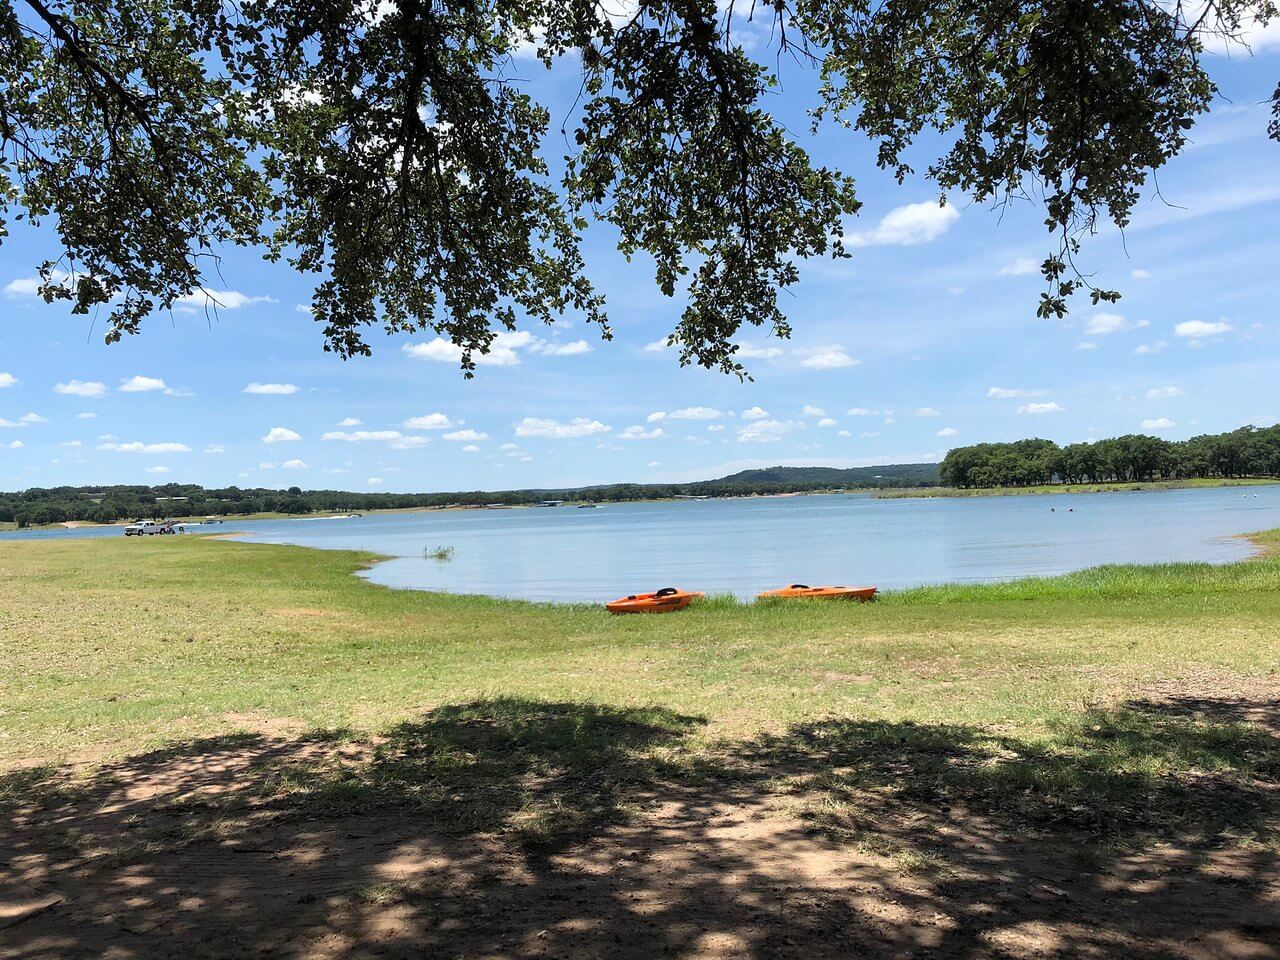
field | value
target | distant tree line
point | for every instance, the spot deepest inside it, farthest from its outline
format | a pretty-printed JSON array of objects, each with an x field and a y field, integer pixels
[
  {"x": 1246, "y": 452},
  {"x": 38, "y": 506}
]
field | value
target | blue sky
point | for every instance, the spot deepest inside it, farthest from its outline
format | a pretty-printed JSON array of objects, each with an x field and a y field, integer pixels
[{"x": 927, "y": 338}]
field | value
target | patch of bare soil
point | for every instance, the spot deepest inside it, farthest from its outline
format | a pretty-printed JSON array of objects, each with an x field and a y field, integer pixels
[{"x": 185, "y": 853}]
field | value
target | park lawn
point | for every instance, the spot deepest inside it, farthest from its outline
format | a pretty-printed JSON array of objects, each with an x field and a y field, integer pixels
[
  {"x": 247, "y": 748},
  {"x": 113, "y": 646}
]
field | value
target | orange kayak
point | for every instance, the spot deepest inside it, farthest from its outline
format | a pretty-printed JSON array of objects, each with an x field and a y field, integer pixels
[
  {"x": 664, "y": 601},
  {"x": 861, "y": 594}
]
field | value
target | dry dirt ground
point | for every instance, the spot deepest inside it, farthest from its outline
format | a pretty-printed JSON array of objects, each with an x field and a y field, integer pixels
[{"x": 271, "y": 844}]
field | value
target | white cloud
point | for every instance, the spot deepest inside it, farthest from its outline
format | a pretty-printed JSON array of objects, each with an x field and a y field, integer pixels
[
  {"x": 1014, "y": 393},
  {"x": 843, "y": 433},
  {"x": 15, "y": 444},
  {"x": 28, "y": 418},
  {"x": 1198, "y": 329},
  {"x": 393, "y": 438},
  {"x": 1146, "y": 349},
  {"x": 71, "y": 443},
  {"x": 548, "y": 349},
  {"x": 715, "y": 427},
  {"x": 207, "y": 299},
  {"x": 656, "y": 346},
  {"x": 748, "y": 352},
  {"x": 85, "y": 416},
  {"x": 830, "y": 357},
  {"x": 349, "y": 422},
  {"x": 9, "y": 424},
  {"x": 502, "y": 352},
  {"x": 510, "y": 447},
  {"x": 1086, "y": 345},
  {"x": 862, "y": 412},
  {"x": 926, "y": 412},
  {"x": 281, "y": 435},
  {"x": 272, "y": 389},
  {"x": 811, "y": 411},
  {"x": 696, "y": 413},
  {"x": 138, "y": 446},
  {"x": 81, "y": 388},
  {"x": 907, "y": 226},
  {"x": 948, "y": 432},
  {"x": 1160, "y": 423},
  {"x": 294, "y": 465},
  {"x": 428, "y": 421},
  {"x": 1140, "y": 275},
  {"x": 1164, "y": 393},
  {"x": 656, "y": 416},
  {"x": 555, "y": 430},
  {"x": 141, "y": 384},
  {"x": 755, "y": 413},
  {"x": 1036, "y": 408},
  {"x": 1104, "y": 323},
  {"x": 640, "y": 433},
  {"x": 1020, "y": 267},
  {"x": 764, "y": 431},
  {"x": 8, "y": 380},
  {"x": 471, "y": 448},
  {"x": 266, "y": 466},
  {"x": 466, "y": 435},
  {"x": 214, "y": 448},
  {"x": 374, "y": 482},
  {"x": 157, "y": 469}
]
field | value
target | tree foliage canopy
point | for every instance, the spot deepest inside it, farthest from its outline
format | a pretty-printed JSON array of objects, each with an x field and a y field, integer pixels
[{"x": 389, "y": 147}]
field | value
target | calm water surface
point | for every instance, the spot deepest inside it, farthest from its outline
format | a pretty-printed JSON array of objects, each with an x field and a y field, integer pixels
[{"x": 744, "y": 546}]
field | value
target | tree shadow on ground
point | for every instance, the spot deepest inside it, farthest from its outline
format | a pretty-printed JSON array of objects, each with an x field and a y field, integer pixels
[{"x": 515, "y": 828}]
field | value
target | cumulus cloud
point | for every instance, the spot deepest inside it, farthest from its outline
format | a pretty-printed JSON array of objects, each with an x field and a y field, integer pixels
[
  {"x": 1020, "y": 268},
  {"x": 349, "y": 422},
  {"x": 749, "y": 352},
  {"x": 1104, "y": 323},
  {"x": 85, "y": 416},
  {"x": 755, "y": 413},
  {"x": 294, "y": 465},
  {"x": 470, "y": 448},
  {"x": 32, "y": 418},
  {"x": 828, "y": 422},
  {"x": 15, "y": 444},
  {"x": 926, "y": 412},
  {"x": 428, "y": 421},
  {"x": 1164, "y": 393},
  {"x": 907, "y": 226},
  {"x": 1140, "y": 274},
  {"x": 1199, "y": 329},
  {"x": 74, "y": 444},
  {"x": 1037, "y": 408},
  {"x": 948, "y": 432},
  {"x": 8, "y": 380},
  {"x": 1160, "y": 423},
  {"x": 137, "y": 446},
  {"x": 271, "y": 389},
  {"x": 91, "y": 389},
  {"x": 215, "y": 448},
  {"x": 472, "y": 436},
  {"x": 811, "y": 411},
  {"x": 1014, "y": 393},
  {"x": 393, "y": 438},
  {"x": 862, "y": 412},
  {"x": 1086, "y": 345},
  {"x": 640, "y": 433},
  {"x": 374, "y": 482},
  {"x": 157, "y": 469},
  {"x": 281, "y": 435},
  {"x": 829, "y": 357},
  {"x": 141, "y": 384},
  {"x": 656, "y": 346},
  {"x": 548, "y": 349},
  {"x": 207, "y": 299},
  {"x": 1146, "y": 349},
  {"x": 502, "y": 351},
  {"x": 555, "y": 430},
  {"x": 765, "y": 431},
  {"x": 696, "y": 413}
]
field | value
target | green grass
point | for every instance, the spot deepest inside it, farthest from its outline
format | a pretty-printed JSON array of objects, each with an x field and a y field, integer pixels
[
  {"x": 1051, "y": 488},
  {"x": 1029, "y": 698}
]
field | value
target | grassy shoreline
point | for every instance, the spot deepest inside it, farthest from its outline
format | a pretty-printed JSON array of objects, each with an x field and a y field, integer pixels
[{"x": 1066, "y": 488}]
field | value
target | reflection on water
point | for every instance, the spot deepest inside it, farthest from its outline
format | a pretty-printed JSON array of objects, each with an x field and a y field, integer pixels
[{"x": 743, "y": 546}]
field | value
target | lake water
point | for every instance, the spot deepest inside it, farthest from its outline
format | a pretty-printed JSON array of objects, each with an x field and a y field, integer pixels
[{"x": 743, "y": 546}]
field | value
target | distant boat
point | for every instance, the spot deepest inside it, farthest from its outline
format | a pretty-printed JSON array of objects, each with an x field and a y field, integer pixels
[
  {"x": 691, "y": 496},
  {"x": 497, "y": 506},
  {"x": 551, "y": 503},
  {"x": 588, "y": 506}
]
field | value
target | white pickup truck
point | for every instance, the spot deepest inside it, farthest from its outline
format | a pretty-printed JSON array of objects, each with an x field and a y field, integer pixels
[{"x": 148, "y": 528}]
